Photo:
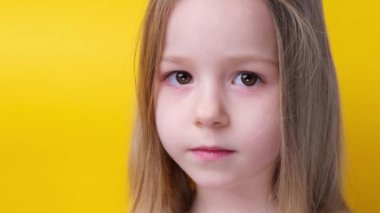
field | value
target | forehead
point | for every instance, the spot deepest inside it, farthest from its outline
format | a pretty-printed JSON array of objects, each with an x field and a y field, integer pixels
[{"x": 211, "y": 27}]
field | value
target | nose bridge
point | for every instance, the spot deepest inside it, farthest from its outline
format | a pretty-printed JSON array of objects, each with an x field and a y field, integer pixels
[
  {"x": 210, "y": 108},
  {"x": 209, "y": 90}
]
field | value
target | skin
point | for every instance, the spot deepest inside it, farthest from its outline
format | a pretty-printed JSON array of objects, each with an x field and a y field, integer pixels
[{"x": 211, "y": 42}]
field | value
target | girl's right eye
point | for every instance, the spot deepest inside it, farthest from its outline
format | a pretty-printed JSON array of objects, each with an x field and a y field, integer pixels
[{"x": 179, "y": 77}]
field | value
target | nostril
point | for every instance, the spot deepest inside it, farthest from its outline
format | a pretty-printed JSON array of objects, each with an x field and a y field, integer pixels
[
  {"x": 215, "y": 119},
  {"x": 209, "y": 110}
]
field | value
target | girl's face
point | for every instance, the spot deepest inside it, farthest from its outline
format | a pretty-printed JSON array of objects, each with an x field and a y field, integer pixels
[{"x": 217, "y": 102}]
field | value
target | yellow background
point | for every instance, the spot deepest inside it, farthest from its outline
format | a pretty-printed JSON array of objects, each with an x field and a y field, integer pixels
[{"x": 67, "y": 97}]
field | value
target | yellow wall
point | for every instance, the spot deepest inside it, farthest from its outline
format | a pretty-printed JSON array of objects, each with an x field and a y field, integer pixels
[
  {"x": 354, "y": 30},
  {"x": 66, "y": 97},
  {"x": 65, "y": 104}
]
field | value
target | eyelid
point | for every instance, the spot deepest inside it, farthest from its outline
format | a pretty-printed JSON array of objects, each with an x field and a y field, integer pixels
[
  {"x": 171, "y": 73},
  {"x": 164, "y": 75},
  {"x": 167, "y": 74},
  {"x": 260, "y": 79},
  {"x": 251, "y": 72}
]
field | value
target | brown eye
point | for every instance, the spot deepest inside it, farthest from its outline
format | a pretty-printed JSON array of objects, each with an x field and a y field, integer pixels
[
  {"x": 246, "y": 79},
  {"x": 181, "y": 77}
]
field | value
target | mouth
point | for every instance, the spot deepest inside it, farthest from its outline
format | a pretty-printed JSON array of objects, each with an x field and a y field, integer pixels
[{"x": 211, "y": 152}]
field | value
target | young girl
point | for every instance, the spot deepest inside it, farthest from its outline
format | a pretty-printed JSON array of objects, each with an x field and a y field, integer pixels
[{"x": 238, "y": 109}]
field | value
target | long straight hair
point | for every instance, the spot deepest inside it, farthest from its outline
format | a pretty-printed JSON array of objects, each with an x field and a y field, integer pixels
[{"x": 308, "y": 173}]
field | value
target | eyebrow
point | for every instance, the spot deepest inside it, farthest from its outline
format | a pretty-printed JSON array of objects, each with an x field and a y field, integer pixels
[{"x": 237, "y": 59}]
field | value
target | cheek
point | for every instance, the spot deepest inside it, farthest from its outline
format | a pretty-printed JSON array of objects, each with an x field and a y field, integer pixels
[
  {"x": 262, "y": 138},
  {"x": 259, "y": 144},
  {"x": 259, "y": 132},
  {"x": 164, "y": 120},
  {"x": 165, "y": 130},
  {"x": 168, "y": 117},
  {"x": 172, "y": 109}
]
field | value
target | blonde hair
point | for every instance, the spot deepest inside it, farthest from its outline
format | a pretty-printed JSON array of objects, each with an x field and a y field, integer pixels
[{"x": 307, "y": 177}]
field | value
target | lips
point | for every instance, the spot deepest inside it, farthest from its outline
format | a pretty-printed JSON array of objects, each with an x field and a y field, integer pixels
[{"x": 211, "y": 152}]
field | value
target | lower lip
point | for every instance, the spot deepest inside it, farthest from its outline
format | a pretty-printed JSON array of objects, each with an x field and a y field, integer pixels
[{"x": 212, "y": 154}]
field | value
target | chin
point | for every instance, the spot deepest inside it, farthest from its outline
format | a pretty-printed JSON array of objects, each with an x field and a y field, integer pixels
[{"x": 212, "y": 181}]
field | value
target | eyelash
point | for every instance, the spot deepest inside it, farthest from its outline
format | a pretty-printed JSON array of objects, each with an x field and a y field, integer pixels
[{"x": 255, "y": 75}]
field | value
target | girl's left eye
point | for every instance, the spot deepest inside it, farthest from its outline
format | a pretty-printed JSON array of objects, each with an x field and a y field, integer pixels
[{"x": 246, "y": 78}]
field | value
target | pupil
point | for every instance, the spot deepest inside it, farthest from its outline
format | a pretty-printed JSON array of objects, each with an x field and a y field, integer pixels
[
  {"x": 248, "y": 79},
  {"x": 183, "y": 78}
]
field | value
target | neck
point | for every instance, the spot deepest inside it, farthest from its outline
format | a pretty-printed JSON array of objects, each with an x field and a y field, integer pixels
[{"x": 245, "y": 196}]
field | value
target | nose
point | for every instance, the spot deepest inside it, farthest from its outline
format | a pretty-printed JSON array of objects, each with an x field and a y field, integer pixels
[{"x": 210, "y": 111}]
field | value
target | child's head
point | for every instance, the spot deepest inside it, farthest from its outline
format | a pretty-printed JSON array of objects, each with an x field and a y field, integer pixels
[
  {"x": 224, "y": 91},
  {"x": 252, "y": 78}
]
